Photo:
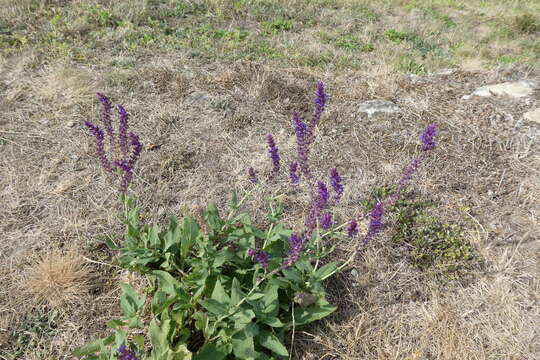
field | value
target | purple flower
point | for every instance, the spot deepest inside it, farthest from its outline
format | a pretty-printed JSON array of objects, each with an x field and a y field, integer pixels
[
  {"x": 427, "y": 137},
  {"x": 302, "y": 149},
  {"x": 274, "y": 153},
  {"x": 335, "y": 181},
  {"x": 260, "y": 256},
  {"x": 100, "y": 146},
  {"x": 252, "y": 176},
  {"x": 106, "y": 116},
  {"x": 137, "y": 148},
  {"x": 122, "y": 130},
  {"x": 293, "y": 171},
  {"x": 326, "y": 221},
  {"x": 323, "y": 194},
  {"x": 125, "y": 354},
  {"x": 320, "y": 102},
  {"x": 375, "y": 224},
  {"x": 352, "y": 229},
  {"x": 296, "y": 244}
]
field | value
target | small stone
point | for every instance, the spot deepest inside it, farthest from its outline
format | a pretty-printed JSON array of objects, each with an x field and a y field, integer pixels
[
  {"x": 533, "y": 115},
  {"x": 444, "y": 72},
  {"x": 378, "y": 106},
  {"x": 71, "y": 124},
  {"x": 515, "y": 89}
]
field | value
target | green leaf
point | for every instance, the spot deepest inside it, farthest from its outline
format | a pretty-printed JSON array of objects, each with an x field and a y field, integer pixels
[
  {"x": 293, "y": 275},
  {"x": 325, "y": 271},
  {"x": 130, "y": 301},
  {"x": 234, "y": 201},
  {"x": 273, "y": 322},
  {"x": 94, "y": 346},
  {"x": 115, "y": 324},
  {"x": 219, "y": 293},
  {"x": 242, "y": 318},
  {"x": 214, "y": 306},
  {"x": 153, "y": 237},
  {"x": 159, "y": 335},
  {"x": 212, "y": 217},
  {"x": 306, "y": 315},
  {"x": 236, "y": 292},
  {"x": 255, "y": 296},
  {"x": 211, "y": 352},
  {"x": 167, "y": 282},
  {"x": 271, "y": 342},
  {"x": 271, "y": 301},
  {"x": 190, "y": 232},
  {"x": 243, "y": 346},
  {"x": 139, "y": 341}
]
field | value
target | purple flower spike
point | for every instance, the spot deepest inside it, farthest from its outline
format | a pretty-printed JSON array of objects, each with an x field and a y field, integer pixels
[
  {"x": 296, "y": 244},
  {"x": 320, "y": 103},
  {"x": 252, "y": 176},
  {"x": 326, "y": 221},
  {"x": 125, "y": 354},
  {"x": 352, "y": 229},
  {"x": 294, "y": 173},
  {"x": 428, "y": 142},
  {"x": 128, "y": 174},
  {"x": 122, "y": 130},
  {"x": 274, "y": 153},
  {"x": 323, "y": 194},
  {"x": 137, "y": 148},
  {"x": 335, "y": 180},
  {"x": 261, "y": 257},
  {"x": 106, "y": 117},
  {"x": 301, "y": 132},
  {"x": 100, "y": 146},
  {"x": 375, "y": 224}
]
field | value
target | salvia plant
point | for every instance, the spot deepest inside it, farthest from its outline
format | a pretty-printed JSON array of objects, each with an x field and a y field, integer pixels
[{"x": 222, "y": 287}]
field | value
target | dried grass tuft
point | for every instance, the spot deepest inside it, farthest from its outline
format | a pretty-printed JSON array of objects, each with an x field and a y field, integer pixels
[{"x": 57, "y": 278}]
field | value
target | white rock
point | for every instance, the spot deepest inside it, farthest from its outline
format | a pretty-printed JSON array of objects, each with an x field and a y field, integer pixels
[
  {"x": 533, "y": 115},
  {"x": 515, "y": 89},
  {"x": 378, "y": 106}
]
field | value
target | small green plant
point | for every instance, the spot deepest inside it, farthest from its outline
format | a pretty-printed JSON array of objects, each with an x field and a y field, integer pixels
[
  {"x": 433, "y": 242},
  {"x": 526, "y": 24},
  {"x": 395, "y": 36},
  {"x": 408, "y": 64},
  {"x": 32, "y": 331},
  {"x": 278, "y": 25}
]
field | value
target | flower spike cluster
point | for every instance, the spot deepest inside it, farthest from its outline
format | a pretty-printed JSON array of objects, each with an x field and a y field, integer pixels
[
  {"x": 293, "y": 173},
  {"x": 252, "y": 176},
  {"x": 261, "y": 257},
  {"x": 124, "y": 157},
  {"x": 125, "y": 354},
  {"x": 274, "y": 153},
  {"x": 335, "y": 181}
]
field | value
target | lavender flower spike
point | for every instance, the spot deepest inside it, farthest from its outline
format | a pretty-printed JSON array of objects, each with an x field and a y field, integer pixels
[
  {"x": 335, "y": 181},
  {"x": 293, "y": 173},
  {"x": 352, "y": 229},
  {"x": 428, "y": 142},
  {"x": 274, "y": 153},
  {"x": 137, "y": 148},
  {"x": 320, "y": 103},
  {"x": 260, "y": 256},
  {"x": 100, "y": 147},
  {"x": 296, "y": 244},
  {"x": 323, "y": 194},
  {"x": 302, "y": 150},
  {"x": 106, "y": 117},
  {"x": 252, "y": 176},
  {"x": 326, "y": 221},
  {"x": 375, "y": 224},
  {"x": 125, "y": 354},
  {"x": 122, "y": 130}
]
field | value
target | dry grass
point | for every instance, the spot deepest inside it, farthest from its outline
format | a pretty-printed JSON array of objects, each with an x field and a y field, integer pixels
[
  {"x": 57, "y": 278},
  {"x": 209, "y": 114}
]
